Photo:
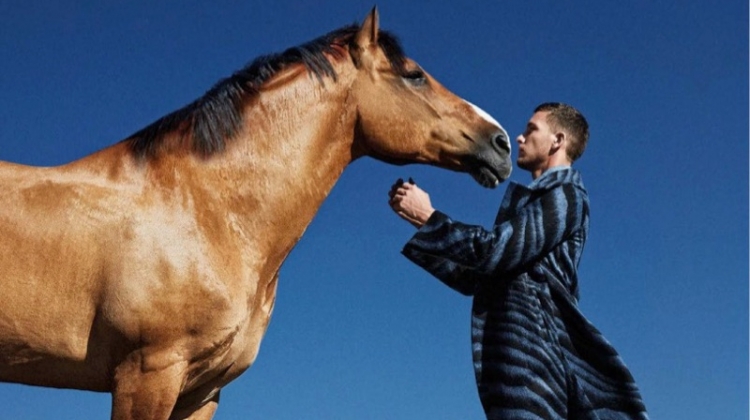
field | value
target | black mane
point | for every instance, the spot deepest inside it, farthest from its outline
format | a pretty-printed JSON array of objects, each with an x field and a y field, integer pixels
[{"x": 206, "y": 124}]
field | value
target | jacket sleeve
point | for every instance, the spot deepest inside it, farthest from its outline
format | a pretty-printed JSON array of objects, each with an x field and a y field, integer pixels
[
  {"x": 510, "y": 246},
  {"x": 452, "y": 274}
]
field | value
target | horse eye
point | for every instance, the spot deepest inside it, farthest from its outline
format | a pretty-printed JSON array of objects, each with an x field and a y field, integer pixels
[{"x": 416, "y": 77}]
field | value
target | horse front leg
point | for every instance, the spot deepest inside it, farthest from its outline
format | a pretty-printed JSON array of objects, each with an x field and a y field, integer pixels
[{"x": 145, "y": 389}]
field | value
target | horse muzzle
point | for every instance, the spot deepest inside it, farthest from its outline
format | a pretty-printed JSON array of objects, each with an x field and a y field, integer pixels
[{"x": 490, "y": 164}]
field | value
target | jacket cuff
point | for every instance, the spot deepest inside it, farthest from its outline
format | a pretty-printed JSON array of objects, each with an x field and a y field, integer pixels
[
  {"x": 415, "y": 246},
  {"x": 436, "y": 218}
]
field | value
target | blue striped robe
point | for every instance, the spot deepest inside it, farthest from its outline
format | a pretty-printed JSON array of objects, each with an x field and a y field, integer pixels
[{"x": 535, "y": 355}]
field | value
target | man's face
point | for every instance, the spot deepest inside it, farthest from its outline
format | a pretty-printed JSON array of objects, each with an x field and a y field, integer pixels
[{"x": 535, "y": 144}]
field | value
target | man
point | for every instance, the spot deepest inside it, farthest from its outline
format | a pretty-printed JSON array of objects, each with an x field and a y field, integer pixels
[{"x": 535, "y": 355}]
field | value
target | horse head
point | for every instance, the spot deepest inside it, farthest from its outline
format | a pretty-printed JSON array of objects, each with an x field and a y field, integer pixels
[{"x": 404, "y": 115}]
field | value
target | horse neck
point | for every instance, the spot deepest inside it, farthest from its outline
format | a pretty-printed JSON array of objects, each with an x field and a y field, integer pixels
[{"x": 296, "y": 142}]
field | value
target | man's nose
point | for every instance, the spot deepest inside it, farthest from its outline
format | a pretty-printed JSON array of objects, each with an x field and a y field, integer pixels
[{"x": 520, "y": 139}]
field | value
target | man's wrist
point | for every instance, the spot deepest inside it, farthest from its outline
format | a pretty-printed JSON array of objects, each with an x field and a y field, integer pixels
[{"x": 426, "y": 215}]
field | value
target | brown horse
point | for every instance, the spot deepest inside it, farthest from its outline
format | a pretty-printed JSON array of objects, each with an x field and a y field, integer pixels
[{"x": 149, "y": 269}]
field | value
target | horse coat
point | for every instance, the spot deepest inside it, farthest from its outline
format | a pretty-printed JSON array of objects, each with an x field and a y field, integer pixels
[{"x": 535, "y": 354}]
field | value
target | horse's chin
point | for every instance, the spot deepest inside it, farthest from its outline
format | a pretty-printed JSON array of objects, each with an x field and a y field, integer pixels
[
  {"x": 489, "y": 175},
  {"x": 486, "y": 177}
]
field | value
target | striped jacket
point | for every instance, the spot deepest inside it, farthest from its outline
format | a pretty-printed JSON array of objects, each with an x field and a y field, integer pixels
[{"x": 535, "y": 355}]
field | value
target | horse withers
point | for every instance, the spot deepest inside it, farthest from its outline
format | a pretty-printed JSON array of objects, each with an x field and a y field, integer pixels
[{"x": 149, "y": 269}]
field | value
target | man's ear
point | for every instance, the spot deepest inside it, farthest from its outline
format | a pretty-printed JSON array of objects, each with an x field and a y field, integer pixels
[{"x": 560, "y": 137}]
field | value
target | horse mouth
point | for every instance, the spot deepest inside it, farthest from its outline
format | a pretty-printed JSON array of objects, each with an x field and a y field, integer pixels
[{"x": 488, "y": 175}]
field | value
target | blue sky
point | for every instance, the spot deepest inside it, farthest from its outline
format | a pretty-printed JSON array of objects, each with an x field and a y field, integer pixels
[{"x": 360, "y": 333}]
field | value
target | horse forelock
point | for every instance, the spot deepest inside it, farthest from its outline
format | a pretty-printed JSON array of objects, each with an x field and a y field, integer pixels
[{"x": 205, "y": 125}]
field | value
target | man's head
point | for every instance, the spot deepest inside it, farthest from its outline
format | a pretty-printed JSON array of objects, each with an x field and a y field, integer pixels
[{"x": 555, "y": 135}]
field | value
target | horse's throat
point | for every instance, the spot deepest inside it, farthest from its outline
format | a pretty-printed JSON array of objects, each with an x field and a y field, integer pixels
[{"x": 292, "y": 152}]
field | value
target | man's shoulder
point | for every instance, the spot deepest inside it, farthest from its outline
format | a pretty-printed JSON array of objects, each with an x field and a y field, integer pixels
[{"x": 557, "y": 177}]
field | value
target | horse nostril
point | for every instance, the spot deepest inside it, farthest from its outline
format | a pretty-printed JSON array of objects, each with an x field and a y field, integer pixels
[{"x": 501, "y": 141}]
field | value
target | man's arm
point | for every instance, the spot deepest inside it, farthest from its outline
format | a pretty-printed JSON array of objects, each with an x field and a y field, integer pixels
[
  {"x": 413, "y": 205},
  {"x": 533, "y": 232},
  {"x": 451, "y": 274}
]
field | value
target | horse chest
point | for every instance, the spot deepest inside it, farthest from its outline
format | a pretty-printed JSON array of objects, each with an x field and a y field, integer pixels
[
  {"x": 244, "y": 334},
  {"x": 224, "y": 362}
]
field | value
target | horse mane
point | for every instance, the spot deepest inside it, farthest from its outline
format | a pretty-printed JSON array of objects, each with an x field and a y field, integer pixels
[{"x": 206, "y": 124}]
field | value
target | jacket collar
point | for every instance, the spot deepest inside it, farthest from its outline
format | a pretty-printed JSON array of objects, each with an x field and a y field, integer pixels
[
  {"x": 517, "y": 195},
  {"x": 556, "y": 176}
]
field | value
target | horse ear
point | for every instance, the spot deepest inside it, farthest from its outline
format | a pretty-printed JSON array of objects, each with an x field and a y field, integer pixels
[
  {"x": 368, "y": 32},
  {"x": 366, "y": 37}
]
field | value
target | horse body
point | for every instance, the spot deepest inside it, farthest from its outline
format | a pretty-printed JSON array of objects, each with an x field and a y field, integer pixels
[
  {"x": 150, "y": 272},
  {"x": 128, "y": 251}
]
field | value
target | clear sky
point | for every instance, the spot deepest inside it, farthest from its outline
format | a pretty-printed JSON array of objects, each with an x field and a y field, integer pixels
[{"x": 360, "y": 333}]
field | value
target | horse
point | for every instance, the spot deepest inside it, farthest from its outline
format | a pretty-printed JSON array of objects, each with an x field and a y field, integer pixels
[{"x": 148, "y": 269}]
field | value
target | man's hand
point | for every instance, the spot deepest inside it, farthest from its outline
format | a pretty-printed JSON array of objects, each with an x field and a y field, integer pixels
[{"x": 410, "y": 202}]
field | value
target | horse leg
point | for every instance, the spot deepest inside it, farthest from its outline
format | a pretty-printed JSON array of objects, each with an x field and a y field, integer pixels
[
  {"x": 203, "y": 411},
  {"x": 142, "y": 392}
]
